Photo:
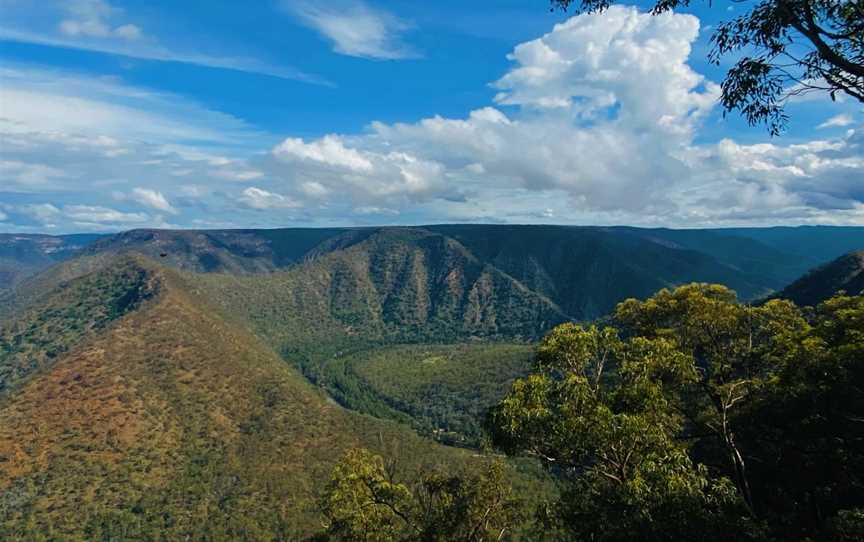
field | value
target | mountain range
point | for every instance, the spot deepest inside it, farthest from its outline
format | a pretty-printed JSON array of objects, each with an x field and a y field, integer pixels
[
  {"x": 203, "y": 383},
  {"x": 583, "y": 271},
  {"x": 131, "y": 404}
]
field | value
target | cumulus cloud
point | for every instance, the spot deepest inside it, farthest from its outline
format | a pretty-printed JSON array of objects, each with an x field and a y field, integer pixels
[
  {"x": 602, "y": 111},
  {"x": 328, "y": 166},
  {"x": 603, "y": 104},
  {"x": 817, "y": 181},
  {"x": 328, "y": 152},
  {"x": 601, "y": 121},
  {"x": 355, "y": 28},
  {"x": 620, "y": 59},
  {"x": 153, "y": 199}
]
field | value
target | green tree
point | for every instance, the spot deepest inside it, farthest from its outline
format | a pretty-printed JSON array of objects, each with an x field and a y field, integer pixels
[
  {"x": 782, "y": 48},
  {"x": 806, "y": 427},
  {"x": 711, "y": 418},
  {"x": 616, "y": 445},
  {"x": 727, "y": 343},
  {"x": 364, "y": 502}
]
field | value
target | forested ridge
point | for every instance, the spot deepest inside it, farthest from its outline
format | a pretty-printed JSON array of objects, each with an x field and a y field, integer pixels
[{"x": 411, "y": 384}]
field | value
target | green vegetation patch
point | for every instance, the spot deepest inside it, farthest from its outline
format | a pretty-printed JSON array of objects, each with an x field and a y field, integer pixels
[
  {"x": 446, "y": 389},
  {"x": 41, "y": 333}
]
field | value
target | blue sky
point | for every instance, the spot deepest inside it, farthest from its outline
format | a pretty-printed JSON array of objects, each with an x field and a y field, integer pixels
[{"x": 115, "y": 115}]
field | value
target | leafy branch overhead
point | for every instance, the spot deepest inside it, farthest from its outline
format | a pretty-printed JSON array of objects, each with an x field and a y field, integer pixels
[{"x": 782, "y": 49}]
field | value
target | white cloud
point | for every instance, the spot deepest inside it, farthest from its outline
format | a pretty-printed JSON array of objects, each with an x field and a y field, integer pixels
[
  {"x": 817, "y": 181},
  {"x": 621, "y": 58},
  {"x": 603, "y": 111},
  {"x": 327, "y": 151},
  {"x": 3, "y": 216},
  {"x": 314, "y": 189},
  {"x": 153, "y": 199},
  {"x": 82, "y": 141},
  {"x": 238, "y": 175},
  {"x": 97, "y": 26},
  {"x": 355, "y": 28},
  {"x": 598, "y": 121},
  {"x": 256, "y": 198},
  {"x": 604, "y": 104},
  {"x": 837, "y": 121},
  {"x": 92, "y": 18},
  {"x": 50, "y": 215},
  {"x": 150, "y": 51},
  {"x": 372, "y": 210},
  {"x": 26, "y": 175},
  {"x": 65, "y": 105},
  {"x": 194, "y": 190},
  {"x": 101, "y": 215},
  {"x": 42, "y": 212},
  {"x": 329, "y": 167}
]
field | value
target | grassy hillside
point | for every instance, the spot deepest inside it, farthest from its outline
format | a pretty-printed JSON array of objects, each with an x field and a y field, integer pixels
[
  {"x": 141, "y": 398},
  {"x": 845, "y": 273},
  {"x": 392, "y": 287},
  {"x": 34, "y": 339},
  {"x": 172, "y": 420}
]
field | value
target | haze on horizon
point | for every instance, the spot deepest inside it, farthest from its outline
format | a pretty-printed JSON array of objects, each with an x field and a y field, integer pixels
[{"x": 115, "y": 115}]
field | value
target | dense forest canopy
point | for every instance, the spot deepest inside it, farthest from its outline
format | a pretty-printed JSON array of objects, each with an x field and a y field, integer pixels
[{"x": 694, "y": 417}]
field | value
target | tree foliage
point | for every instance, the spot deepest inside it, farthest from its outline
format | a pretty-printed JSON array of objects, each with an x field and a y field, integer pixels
[
  {"x": 365, "y": 502},
  {"x": 700, "y": 417},
  {"x": 782, "y": 48}
]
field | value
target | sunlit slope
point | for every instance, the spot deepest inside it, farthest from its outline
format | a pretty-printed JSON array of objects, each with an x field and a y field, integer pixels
[
  {"x": 171, "y": 420},
  {"x": 33, "y": 338}
]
